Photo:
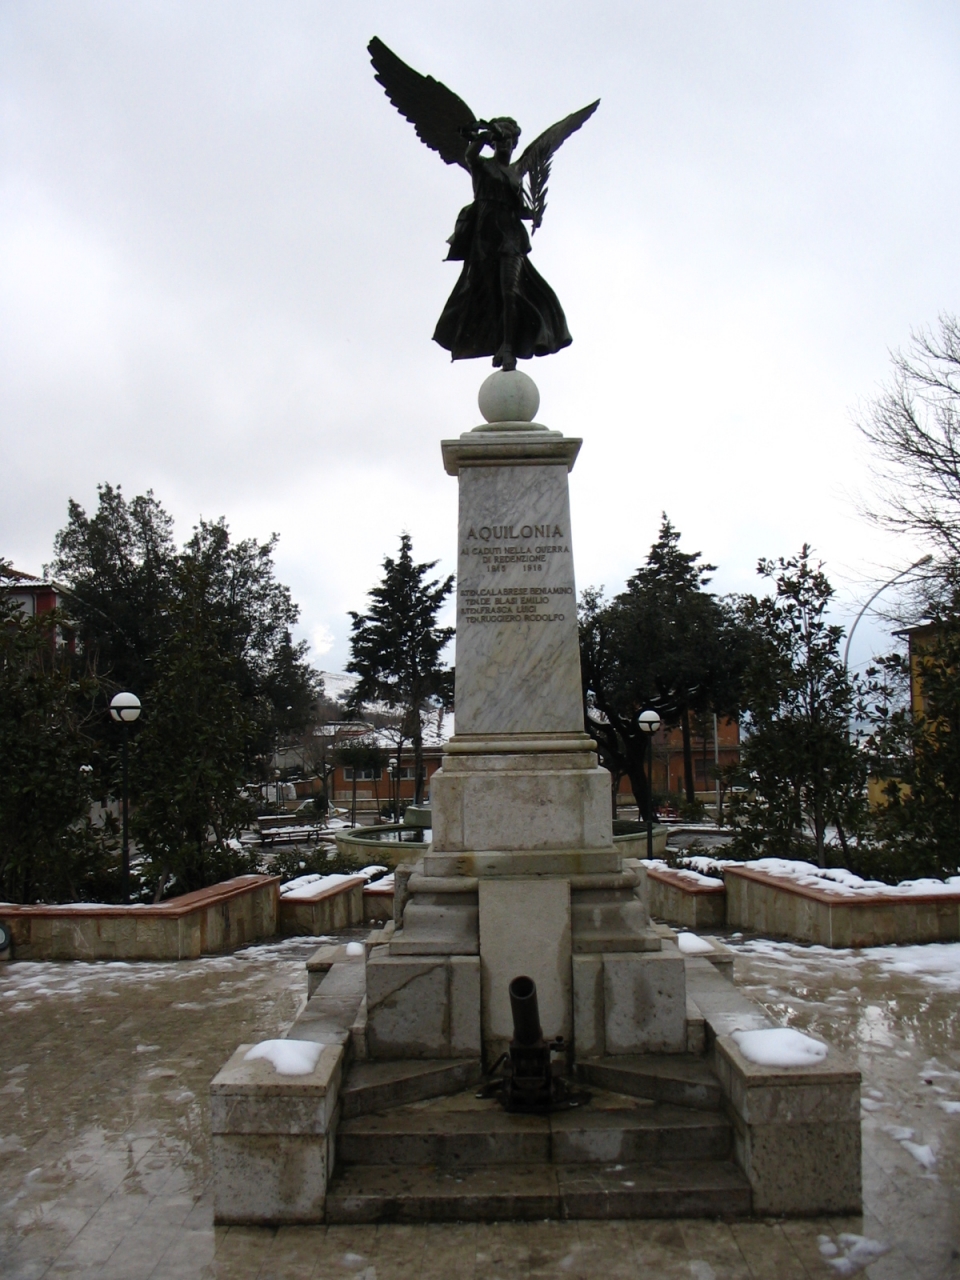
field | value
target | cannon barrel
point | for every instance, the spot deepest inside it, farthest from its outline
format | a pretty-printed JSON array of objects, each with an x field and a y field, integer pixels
[{"x": 526, "y": 1013}]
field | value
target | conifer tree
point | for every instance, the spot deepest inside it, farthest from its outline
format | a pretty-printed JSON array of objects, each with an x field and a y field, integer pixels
[
  {"x": 396, "y": 648},
  {"x": 802, "y": 765},
  {"x": 665, "y": 643}
]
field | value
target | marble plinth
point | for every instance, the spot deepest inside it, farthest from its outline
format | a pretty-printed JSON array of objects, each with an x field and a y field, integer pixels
[
  {"x": 524, "y": 929},
  {"x": 521, "y": 807},
  {"x": 518, "y": 662},
  {"x": 506, "y": 800}
]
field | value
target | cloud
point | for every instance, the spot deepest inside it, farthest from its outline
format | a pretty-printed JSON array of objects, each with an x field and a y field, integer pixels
[{"x": 221, "y": 263}]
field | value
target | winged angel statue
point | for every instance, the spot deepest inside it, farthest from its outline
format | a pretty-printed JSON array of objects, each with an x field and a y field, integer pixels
[{"x": 501, "y": 306}]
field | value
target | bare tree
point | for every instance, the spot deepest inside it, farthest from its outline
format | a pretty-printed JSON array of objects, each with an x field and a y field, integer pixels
[{"x": 914, "y": 426}]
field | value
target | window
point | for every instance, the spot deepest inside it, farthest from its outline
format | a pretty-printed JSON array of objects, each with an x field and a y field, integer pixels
[
  {"x": 408, "y": 773},
  {"x": 363, "y": 775}
]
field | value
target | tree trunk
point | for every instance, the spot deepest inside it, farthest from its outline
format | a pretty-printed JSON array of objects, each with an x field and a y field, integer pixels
[
  {"x": 418, "y": 762},
  {"x": 161, "y": 885},
  {"x": 353, "y": 804},
  {"x": 818, "y": 826},
  {"x": 636, "y": 769},
  {"x": 687, "y": 756}
]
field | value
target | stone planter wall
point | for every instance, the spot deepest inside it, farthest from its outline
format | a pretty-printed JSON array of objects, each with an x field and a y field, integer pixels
[
  {"x": 207, "y": 922},
  {"x": 777, "y": 907},
  {"x": 678, "y": 900},
  {"x": 338, "y": 907},
  {"x": 377, "y": 904}
]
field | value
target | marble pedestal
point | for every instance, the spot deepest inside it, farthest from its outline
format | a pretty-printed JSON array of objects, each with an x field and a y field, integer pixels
[{"x": 522, "y": 870}]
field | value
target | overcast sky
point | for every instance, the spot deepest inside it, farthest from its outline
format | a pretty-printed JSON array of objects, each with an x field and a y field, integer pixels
[{"x": 222, "y": 253}]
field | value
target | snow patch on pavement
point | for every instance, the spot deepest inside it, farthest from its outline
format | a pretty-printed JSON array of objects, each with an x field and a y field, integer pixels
[{"x": 851, "y": 1253}]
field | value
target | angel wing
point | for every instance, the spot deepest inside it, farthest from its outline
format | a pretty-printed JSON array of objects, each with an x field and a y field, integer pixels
[
  {"x": 435, "y": 111},
  {"x": 535, "y": 161}
]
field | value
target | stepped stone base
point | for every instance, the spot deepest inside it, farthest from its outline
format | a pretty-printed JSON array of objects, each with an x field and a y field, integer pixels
[
  {"x": 683, "y": 1189},
  {"x": 679, "y": 1134},
  {"x": 464, "y": 1158}
]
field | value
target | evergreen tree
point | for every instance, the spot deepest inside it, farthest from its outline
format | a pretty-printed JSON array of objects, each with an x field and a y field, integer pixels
[
  {"x": 664, "y": 643},
  {"x": 917, "y": 750},
  {"x": 116, "y": 571},
  {"x": 803, "y": 767},
  {"x": 48, "y": 849},
  {"x": 203, "y": 637},
  {"x": 396, "y": 648},
  {"x": 192, "y": 753}
]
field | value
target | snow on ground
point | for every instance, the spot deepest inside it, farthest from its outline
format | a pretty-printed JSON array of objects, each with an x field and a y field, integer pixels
[
  {"x": 936, "y": 963},
  {"x": 27, "y": 982},
  {"x": 851, "y": 1253}
]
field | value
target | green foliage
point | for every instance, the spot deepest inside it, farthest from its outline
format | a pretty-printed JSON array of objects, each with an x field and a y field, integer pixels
[
  {"x": 359, "y": 753},
  {"x": 203, "y": 637},
  {"x": 192, "y": 753},
  {"x": 664, "y": 643},
  {"x": 803, "y": 767},
  {"x": 49, "y": 850},
  {"x": 318, "y": 859},
  {"x": 117, "y": 568},
  {"x": 251, "y": 614},
  {"x": 917, "y": 829},
  {"x": 396, "y": 648},
  {"x": 123, "y": 576}
]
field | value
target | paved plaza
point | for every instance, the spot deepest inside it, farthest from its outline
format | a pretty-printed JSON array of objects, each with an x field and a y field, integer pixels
[{"x": 104, "y": 1165}]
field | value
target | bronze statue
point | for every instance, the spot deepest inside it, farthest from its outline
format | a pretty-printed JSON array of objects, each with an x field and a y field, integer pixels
[{"x": 501, "y": 306}]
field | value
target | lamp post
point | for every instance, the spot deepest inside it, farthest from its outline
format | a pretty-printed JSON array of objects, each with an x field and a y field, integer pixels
[
  {"x": 896, "y": 578},
  {"x": 125, "y": 708},
  {"x": 394, "y": 773},
  {"x": 649, "y": 723}
]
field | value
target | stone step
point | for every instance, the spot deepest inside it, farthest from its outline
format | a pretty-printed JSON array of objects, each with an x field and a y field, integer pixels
[
  {"x": 525, "y": 1192},
  {"x": 678, "y": 1078},
  {"x": 488, "y": 1135},
  {"x": 379, "y": 1086}
]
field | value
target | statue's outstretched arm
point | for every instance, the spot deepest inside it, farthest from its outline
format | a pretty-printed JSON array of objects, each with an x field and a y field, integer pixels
[
  {"x": 438, "y": 115},
  {"x": 534, "y": 164}
]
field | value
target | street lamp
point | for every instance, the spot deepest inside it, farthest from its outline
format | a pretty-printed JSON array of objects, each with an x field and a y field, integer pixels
[
  {"x": 125, "y": 708},
  {"x": 394, "y": 773},
  {"x": 649, "y": 722},
  {"x": 896, "y": 578}
]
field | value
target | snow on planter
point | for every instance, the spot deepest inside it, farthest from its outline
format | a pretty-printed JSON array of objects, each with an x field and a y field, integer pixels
[
  {"x": 838, "y": 880},
  {"x": 287, "y": 1057},
  {"x": 780, "y": 1047},
  {"x": 691, "y": 945}
]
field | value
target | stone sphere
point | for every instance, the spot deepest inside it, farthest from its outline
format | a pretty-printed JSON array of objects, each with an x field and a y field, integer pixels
[{"x": 509, "y": 397}]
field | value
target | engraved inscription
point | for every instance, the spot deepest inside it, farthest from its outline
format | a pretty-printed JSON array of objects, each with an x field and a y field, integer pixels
[
  {"x": 512, "y": 604},
  {"x": 514, "y": 549}
]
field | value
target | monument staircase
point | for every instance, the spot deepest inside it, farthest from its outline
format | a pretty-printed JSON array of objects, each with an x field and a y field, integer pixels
[{"x": 651, "y": 1142}]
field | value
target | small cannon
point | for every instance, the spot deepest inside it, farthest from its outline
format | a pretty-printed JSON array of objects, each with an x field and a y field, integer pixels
[{"x": 532, "y": 1078}]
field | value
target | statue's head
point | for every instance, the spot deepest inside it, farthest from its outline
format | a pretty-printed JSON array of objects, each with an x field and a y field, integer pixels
[{"x": 506, "y": 131}]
